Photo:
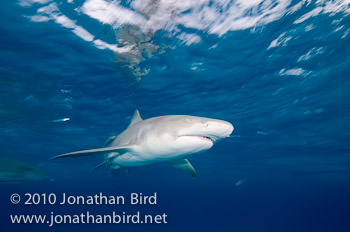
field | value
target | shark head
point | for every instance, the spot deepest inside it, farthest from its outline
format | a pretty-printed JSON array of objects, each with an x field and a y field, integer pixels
[
  {"x": 205, "y": 129},
  {"x": 202, "y": 132},
  {"x": 183, "y": 135}
]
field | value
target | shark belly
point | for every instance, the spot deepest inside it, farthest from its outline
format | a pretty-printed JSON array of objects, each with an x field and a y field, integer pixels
[
  {"x": 160, "y": 149},
  {"x": 131, "y": 160}
]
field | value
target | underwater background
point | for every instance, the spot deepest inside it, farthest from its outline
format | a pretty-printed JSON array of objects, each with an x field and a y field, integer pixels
[{"x": 73, "y": 72}]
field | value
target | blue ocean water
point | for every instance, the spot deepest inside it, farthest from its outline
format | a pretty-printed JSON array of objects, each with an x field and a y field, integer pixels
[{"x": 73, "y": 72}]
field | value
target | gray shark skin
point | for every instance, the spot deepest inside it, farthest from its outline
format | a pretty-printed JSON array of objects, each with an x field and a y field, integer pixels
[
  {"x": 16, "y": 171},
  {"x": 167, "y": 139}
]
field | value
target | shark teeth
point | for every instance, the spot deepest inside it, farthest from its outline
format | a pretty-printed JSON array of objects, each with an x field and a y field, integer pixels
[
  {"x": 206, "y": 137},
  {"x": 203, "y": 137}
]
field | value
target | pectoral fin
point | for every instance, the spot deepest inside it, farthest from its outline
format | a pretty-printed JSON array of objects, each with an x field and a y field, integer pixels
[
  {"x": 100, "y": 165},
  {"x": 109, "y": 141},
  {"x": 99, "y": 151},
  {"x": 105, "y": 162},
  {"x": 184, "y": 165}
]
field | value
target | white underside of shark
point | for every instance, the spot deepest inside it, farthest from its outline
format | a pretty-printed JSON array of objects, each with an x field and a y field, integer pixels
[{"x": 168, "y": 139}]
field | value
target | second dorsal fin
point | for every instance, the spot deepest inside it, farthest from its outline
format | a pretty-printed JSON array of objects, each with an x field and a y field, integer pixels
[{"x": 135, "y": 118}]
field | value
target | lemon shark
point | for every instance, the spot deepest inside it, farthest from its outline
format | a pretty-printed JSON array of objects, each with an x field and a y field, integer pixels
[
  {"x": 168, "y": 139},
  {"x": 16, "y": 171}
]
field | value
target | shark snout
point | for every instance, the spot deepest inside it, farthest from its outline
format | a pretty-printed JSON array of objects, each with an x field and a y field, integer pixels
[
  {"x": 229, "y": 129},
  {"x": 220, "y": 129}
]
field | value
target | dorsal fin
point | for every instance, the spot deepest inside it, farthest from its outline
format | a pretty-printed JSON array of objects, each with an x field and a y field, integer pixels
[{"x": 135, "y": 118}]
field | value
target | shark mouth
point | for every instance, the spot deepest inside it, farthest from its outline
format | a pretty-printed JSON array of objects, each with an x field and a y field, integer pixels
[
  {"x": 207, "y": 138},
  {"x": 202, "y": 137}
]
